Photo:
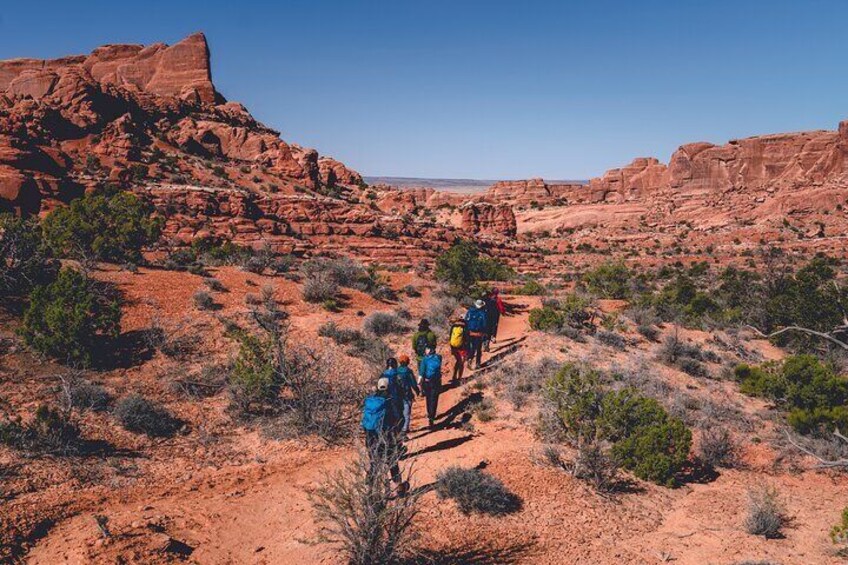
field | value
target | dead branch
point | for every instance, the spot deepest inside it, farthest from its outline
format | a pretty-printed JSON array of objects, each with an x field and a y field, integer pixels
[
  {"x": 808, "y": 331},
  {"x": 823, "y": 463}
]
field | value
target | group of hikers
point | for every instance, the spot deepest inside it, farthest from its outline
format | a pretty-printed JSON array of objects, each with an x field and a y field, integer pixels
[{"x": 387, "y": 412}]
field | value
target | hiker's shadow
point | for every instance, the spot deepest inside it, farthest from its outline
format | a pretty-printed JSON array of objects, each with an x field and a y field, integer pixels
[{"x": 440, "y": 446}]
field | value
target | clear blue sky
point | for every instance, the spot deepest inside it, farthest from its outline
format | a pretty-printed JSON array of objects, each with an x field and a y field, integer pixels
[{"x": 489, "y": 89}]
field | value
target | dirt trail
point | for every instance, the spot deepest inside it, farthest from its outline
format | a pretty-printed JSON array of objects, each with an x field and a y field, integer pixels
[{"x": 261, "y": 513}]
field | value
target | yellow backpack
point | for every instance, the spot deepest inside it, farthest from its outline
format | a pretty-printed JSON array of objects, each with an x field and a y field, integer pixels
[{"x": 457, "y": 336}]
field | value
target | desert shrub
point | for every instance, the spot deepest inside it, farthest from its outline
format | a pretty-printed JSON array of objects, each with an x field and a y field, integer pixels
[
  {"x": 474, "y": 490},
  {"x": 372, "y": 350},
  {"x": 24, "y": 259},
  {"x": 518, "y": 379},
  {"x": 203, "y": 300},
  {"x": 839, "y": 532},
  {"x": 384, "y": 323},
  {"x": 254, "y": 381},
  {"x": 70, "y": 318},
  {"x": 595, "y": 465},
  {"x": 484, "y": 410},
  {"x": 441, "y": 311},
  {"x": 532, "y": 288},
  {"x": 609, "y": 280},
  {"x": 359, "y": 513},
  {"x": 651, "y": 333},
  {"x": 411, "y": 291},
  {"x": 462, "y": 266},
  {"x": 612, "y": 339},
  {"x": 108, "y": 225},
  {"x": 140, "y": 415},
  {"x": 211, "y": 380},
  {"x": 571, "y": 311},
  {"x": 214, "y": 284},
  {"x": 320, "y": 287},
  {"x": 84, "y": 395},
  {"x": 717, "y": 447},
  {"x": 692, "y": 367},
  {"x": 807, "y": 388},
  {"x": 314, "y": 393},
  {"x": 51, "y": 431},
  {"x": 343, "y": 271},
  {"x": 766, "y": 514},
  {"x": 645, "y": 439}
]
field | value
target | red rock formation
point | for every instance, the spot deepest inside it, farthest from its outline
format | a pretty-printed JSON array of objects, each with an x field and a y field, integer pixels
[{"x": 492, "y": 219}]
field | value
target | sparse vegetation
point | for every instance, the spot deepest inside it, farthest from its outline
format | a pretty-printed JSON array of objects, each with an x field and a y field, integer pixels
[
  {"x": 141, "y": 415},
  {"x": 766, "y": 514},
  {"x": 203, "y": 300},
  {"x": 359, "y": 513},
  {"x": 50, "y": 431},
  {"x": 474, "y": 490},
  {"x": 609, "y": 280},
  {"x": 718, "y": 448},
  {"x": 384, "y": 323}
]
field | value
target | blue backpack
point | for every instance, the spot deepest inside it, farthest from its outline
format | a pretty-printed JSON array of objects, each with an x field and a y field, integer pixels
[
  {"x": 431, "y": 367},
  {"x": 475, "y": 320},
  {"x": 374, "y": 413}
]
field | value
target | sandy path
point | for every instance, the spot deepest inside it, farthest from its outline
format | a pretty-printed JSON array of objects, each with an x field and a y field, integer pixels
[{"x": 261, "y": 513}]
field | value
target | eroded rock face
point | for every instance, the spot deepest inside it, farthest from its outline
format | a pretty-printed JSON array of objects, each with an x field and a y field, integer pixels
[{"x": 491, "y": 219}]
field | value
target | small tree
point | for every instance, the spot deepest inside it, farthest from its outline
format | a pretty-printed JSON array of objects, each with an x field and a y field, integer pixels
[
  {"x": 24, "y": 260},
  {"x": 108, "y": 226},
  {"x": 70, "y": 318},
  {"x": 461, "y": 267},
  {"x": 610, "y": 280}
]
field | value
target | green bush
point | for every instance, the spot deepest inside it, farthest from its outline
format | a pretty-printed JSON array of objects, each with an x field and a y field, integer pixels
[
  {"x": 70, "y": 318},
  {"x": 532, "y": 288},
  {"x": 811, "y": 391},
  {"x": 839, "y": 532},
  {"x": 609, "y": 280},
  {"x": 645, "y": 439},
  {"x": 108, "y": 225},
  {"x": 254, "y": 381},
  {"x": 24, "y": 259},
  {"x": 555, "y": 315},
  {"x": 546, "y": 319},
  {"x": 462, "y": 266}
]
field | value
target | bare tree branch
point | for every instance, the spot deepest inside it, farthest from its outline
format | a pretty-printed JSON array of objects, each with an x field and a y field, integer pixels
[
  {"x": 808, "y": 331},
  {"x": 823, "y": 463}
]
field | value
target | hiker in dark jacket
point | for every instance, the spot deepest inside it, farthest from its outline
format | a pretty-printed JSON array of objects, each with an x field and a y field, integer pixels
[
  {"x": 430, "y": 380},
  {"x": 494, "y": 308},
  {"x": 408, "y": 388},
  {"x": 476, "y": 325},
  {"x": 394, "y": 390},
  {"x": 379, "y": 420},
  {"x": 422, "y": 339}
]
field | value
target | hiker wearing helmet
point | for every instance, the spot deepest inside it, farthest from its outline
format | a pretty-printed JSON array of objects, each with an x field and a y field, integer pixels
[
  {"x": 458, "y": 345},
  {"x": 494, "y": 308},
  {"x": 408, "y": 388},
  {"x": 379, "y": 420},
  {"x": 476, "y": 324},
  {"x": 422, "y": 339},
  {"x": 430, "y": 380}
]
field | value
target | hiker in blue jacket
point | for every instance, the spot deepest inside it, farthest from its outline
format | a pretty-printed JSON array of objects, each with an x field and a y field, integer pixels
[
  {"x": 408, "y": 388},
  {"x": 476, "y": 325},
  {"x": 430, "y": 381},
  {"x": 380, "y": 419},
  {"x": 395, "y": 391}
]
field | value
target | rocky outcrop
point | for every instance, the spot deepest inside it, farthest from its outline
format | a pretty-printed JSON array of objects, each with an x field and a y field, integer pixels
[{"x": 491, "y": 219}]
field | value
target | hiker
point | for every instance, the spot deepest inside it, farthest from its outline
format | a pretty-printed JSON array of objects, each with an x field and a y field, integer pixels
[
  {"x": 408, "y": 388},
  {"x": 494, "y": 309},
  {"x": 379, "y": 420},
  {"x": 430, "y": 381},
  {"x": 395, "y": 392},
  {"x": 422, "y": 339},
  {"x": 458, "y": 347},
  {"x": 476, "y": 326}
]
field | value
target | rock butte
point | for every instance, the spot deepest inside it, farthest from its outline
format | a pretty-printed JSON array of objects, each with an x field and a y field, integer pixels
[{"x": 149, "y": 118}]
